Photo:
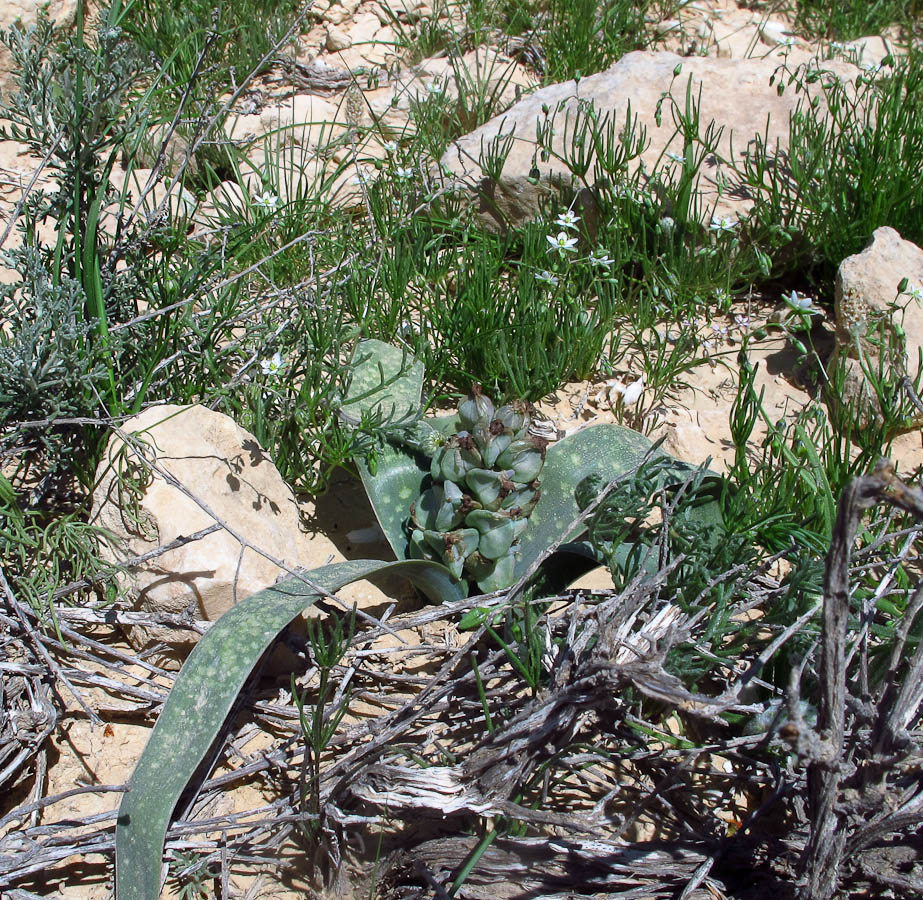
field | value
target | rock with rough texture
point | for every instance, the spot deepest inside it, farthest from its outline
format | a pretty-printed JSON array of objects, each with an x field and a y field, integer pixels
[
  {"x": 303, "y": 119},
  {"x": 736, "y": 94},
  {"x": 484, "y": 72},
  {"x": 337, "y": 40},
  {"x": 220, "y": 472},
  {"x": 25, "y": 13},
  {"x": 869, "y": 308}
]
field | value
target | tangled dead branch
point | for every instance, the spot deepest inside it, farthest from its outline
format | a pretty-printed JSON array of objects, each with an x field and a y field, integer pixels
[{"x": 611, "y": 778}]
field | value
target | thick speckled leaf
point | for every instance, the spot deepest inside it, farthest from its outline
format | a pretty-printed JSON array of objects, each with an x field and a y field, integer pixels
[
  {"x": 401, "y": 475},
  {"x": 604, "y": 450},
  {"x": 202, "y": 697},
  {"x": 385, "y": 380},
  {"x": 397, "y": 482}
]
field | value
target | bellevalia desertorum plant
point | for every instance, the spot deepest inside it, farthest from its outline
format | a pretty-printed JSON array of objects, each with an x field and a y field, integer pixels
[
  {"x": 485, "y": 485},
  {"x": 399, "y": 474}
]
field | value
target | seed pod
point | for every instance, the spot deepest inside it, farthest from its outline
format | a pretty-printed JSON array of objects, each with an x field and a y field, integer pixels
[
  {"x": 489, "y": 487},
  {"x": 436, "y": 510},
  {"x": 475, "y": 410},
  {"x": 498, "y": 531},
  {"x": 453, "y": 493},
  {"x": 515, "y": 416},
  {"x": 525, "y": 458},
  {"x": 424, "y": 510},
  {"x": 497, "y": 441},
  {"x": 492, "y": 575},
  {"x": 484, "y": 519},
  {"x": 454, "y": 547},
  {"x": 453, "y": 460},
  {"x": 418, "y": 546},
  {"x": 497, "y": 542},
  {"x": 520, "y": 503}
]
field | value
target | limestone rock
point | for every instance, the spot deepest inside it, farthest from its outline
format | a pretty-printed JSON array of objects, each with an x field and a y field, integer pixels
[
  {"x": 179, "y": 203},
  {"x": 25, "y": 12},
  {"x": 336, "y": 13},
  {"x": 337, "y": 40},
  {"x": 221, "y": 468},
  {"x": 304, "y": 119},
  {"x": 736, "y": 94},
  {"x": 373, "y": 44},
  {"x": 868, "y": 307},
  {"x": 389, "y": 11}
]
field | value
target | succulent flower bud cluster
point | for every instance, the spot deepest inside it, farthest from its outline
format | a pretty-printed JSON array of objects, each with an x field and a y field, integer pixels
[{"x": 484, "y": 487}]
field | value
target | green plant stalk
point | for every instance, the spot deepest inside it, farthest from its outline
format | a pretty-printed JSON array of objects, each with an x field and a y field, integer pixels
[
  {"x": 473, "y": 860},
  {"x": 482, "y": 694},
  {"x": 93, "y": 287}
]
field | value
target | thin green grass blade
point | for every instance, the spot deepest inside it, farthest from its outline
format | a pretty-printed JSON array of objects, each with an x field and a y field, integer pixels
[{"x": 202, "y": 697}]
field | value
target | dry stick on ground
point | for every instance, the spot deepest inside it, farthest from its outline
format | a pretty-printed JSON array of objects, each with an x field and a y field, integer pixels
[{"x": 824, "y": 852}]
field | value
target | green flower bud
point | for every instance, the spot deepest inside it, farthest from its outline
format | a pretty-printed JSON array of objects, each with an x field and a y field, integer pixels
[{"x": 425, "y": 439}]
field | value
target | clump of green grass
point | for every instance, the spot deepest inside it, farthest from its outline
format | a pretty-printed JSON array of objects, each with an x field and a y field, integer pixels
[
  {"x": 213, "y": 47},
  {"x": 848, "y": 21},
  {"x": 846, "y": 172}
]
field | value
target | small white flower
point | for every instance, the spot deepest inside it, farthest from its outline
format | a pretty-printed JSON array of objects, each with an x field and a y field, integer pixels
[
  {"x": 567, "y": 220},
  {"x": 676, "y": 157},
  {"x": 667, "y": 224},
  {"x": 787, "y": 42},
  {"x": 362, "y": 178},
  {"x": 915, "y": 292},
  {"x": 722, "y": 296},
  {"x": 742, "y": 322},
  {"x": 719, "y": 330},
  {"x": 870, "y": 67},
  {"x": 723, "y": 224},
  {"x": 267, "y": 200},
  {"x": 562, "y": 242},
  {"x": 629, "y": 395},
  {"x": 434, "y": 87},
  {"x": 547, "y": 277},
  {"x": 403, "y": 172},
  {"x": 837, "y": 47},
  {"x": 599, "y": 258},
  {"x": 389, "y": 146},
  {"x": 273, "y": 366},
  {"x": 803, "y": 305}
]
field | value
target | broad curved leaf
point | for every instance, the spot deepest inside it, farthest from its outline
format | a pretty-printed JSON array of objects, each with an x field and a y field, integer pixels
[{"x": 202, "y": 697}]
